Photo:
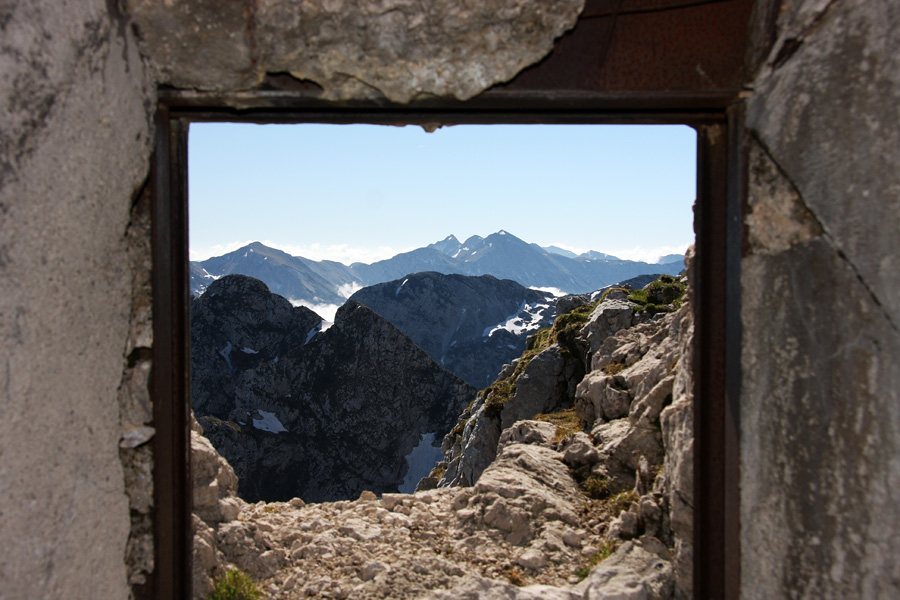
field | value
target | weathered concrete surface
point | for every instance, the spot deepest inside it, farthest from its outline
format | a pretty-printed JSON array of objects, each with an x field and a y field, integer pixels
[
  {"x": 74, "y": 144},
  {"x": 398, "y": 49},
  {"x": 828, "y": 116},
  {"x": 820, "y": 406}
]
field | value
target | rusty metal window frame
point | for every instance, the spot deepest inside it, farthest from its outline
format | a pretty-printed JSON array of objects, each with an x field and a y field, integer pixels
[{"x": 721, "y": 189}]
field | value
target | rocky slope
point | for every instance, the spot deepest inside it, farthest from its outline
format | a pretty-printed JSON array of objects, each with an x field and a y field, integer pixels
[
  {"x": 470, "y": 325},
  {"x": 317, "y": 415},
  {"x": 593, "y": 502}
]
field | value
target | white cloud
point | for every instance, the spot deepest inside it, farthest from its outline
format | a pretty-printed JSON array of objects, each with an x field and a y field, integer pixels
[
  {"x": 348, "y": 289},
  {"x": 650, "y": 255},
  {"x": 326, "y": 311},
  {"x": 550, "y": 290},
  {"x": 639, "y": 253}
]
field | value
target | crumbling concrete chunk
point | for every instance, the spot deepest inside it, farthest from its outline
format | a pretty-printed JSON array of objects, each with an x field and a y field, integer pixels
[{"x": 353, "y": 48}]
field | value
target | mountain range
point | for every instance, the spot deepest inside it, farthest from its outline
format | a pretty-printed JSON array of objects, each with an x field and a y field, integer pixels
[{"x": 500, "y": 254}]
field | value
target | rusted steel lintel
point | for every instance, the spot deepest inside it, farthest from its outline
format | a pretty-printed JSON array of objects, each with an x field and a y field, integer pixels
[{"x": 625, "y": 106}]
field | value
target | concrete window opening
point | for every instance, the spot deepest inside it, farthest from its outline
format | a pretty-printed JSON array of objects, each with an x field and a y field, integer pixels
[{"x": 264, "y": 423}]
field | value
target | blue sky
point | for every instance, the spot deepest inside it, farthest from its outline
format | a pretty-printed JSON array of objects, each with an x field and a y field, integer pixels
[{"x": 367, "y": 192}]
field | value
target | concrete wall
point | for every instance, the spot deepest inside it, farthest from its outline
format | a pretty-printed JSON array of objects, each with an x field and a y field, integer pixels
[
  {"x": 821, "y": 308},
  {"x": 75, "y": 111},
  {"x": 821, "y": 301}
]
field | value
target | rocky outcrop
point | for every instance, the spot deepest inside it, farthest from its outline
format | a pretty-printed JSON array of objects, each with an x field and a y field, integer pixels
[
  {"x": 309, "y": 414},
  {"x": 472, "y": 326},
  {"x": 236, "y": 326},
  {"x": 214, "y": 501},
  {"x": 545, "y": 378}
]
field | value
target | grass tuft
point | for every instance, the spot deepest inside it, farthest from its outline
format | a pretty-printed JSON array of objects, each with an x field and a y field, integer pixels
[
  {"x": 596, "y": 487},
  {"x": 663, "y": 295},
  {"x": 595, "y": 559},
  {"x": 234, "y": 585},
  {"x": 614, "y": 368},
  {"x": 566, "y": 421},
  {"x": 515, "y": 577},
  {"x": 621, "y": 501}
]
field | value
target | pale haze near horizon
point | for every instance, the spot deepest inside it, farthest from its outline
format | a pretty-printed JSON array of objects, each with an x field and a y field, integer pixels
[{"x": 368, "y": 192}]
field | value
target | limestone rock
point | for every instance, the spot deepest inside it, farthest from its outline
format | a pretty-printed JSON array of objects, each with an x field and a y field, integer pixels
[
  {"x": 525, "y": 487},
  {"x": 602, "y": 397},
  {"x": 479, "y": 588},
  {"x": 542, "y": 387},
  {"x": 532, "y": 559},
  {"x": 470, "y": 452},
  {"x": 579, "y": 451},
  {"x": 214, "y": 482},
  {"x": 527, "y": 432},
  {"x": 609, "y": 317},
  {"x": 206, "y": 560},
  {"x": 638, "y": 570},
  {"x": 569, "y": 303}
]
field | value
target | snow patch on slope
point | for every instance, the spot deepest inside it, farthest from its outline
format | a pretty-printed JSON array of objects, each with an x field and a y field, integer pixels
[
  {"x": 269, "y": 422},
  {"x": 527, "y": 318},
  {"x": 226, "y": 354},
  {"x": 313, "y": 331},
  {"x": 420, "y": 460}
]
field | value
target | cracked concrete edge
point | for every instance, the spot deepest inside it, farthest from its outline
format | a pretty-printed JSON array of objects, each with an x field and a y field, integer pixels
[{"x": 792, "y": 219}]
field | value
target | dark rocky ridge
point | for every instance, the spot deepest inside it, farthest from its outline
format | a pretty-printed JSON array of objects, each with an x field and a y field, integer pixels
[
  {"x": 322, "y": 420},
  {"x": 238, "y": 325},
  {"x": 448, "y": 316}
]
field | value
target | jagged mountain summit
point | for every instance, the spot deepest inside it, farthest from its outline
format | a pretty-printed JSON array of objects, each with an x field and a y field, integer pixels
[
  {"x": 472, "y": 326},
  {"x": 505, "y": 256},
  {"x": 501, "y": 254},
  {"x": 316, "y": 415}
]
